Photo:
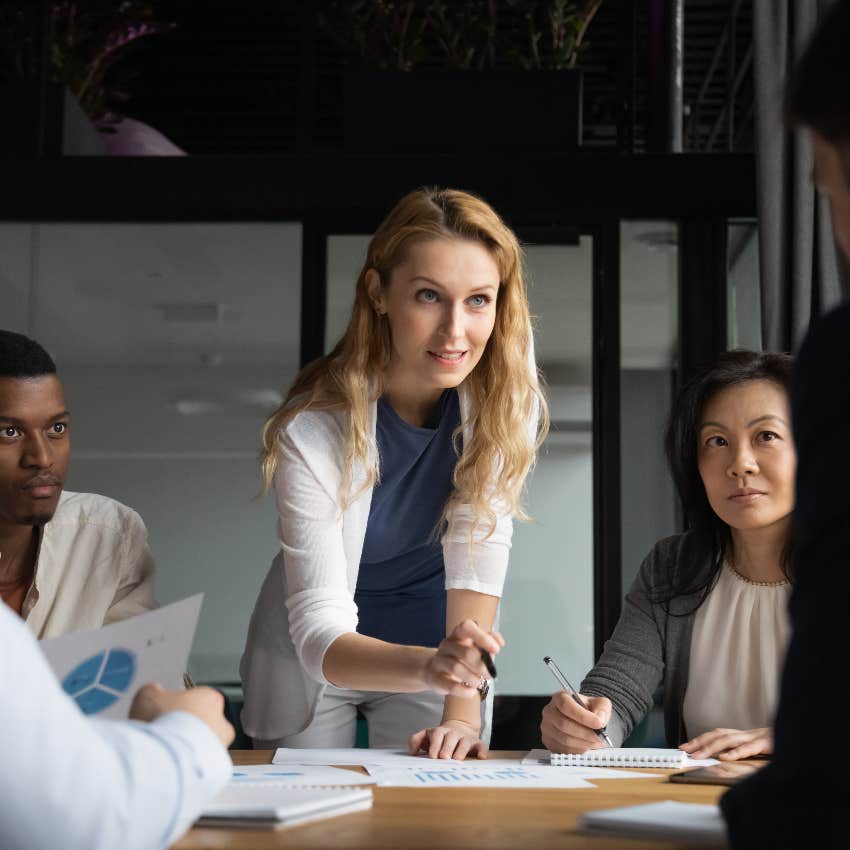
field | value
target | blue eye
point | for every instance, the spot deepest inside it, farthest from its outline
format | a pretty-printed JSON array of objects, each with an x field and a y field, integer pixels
[
  {"x": 479, "y": 300},
  {"x": 426, "y": 295}
]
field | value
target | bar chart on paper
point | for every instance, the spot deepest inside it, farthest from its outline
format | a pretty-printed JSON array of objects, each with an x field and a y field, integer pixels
[
  {"x": 454, "y": 776},
  {"x": 467, "y": 774}
]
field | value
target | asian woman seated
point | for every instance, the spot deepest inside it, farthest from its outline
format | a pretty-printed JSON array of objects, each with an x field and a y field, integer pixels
[{"x": 707, "y": 614}]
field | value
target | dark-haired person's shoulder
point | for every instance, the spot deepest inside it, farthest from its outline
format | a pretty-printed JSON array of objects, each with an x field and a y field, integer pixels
[
  {"x": 821, "y": 373},
  {"x": 665, "y": 556},
  {"x": 673, "y": 546},
  {"x": 828, "y": 337}
]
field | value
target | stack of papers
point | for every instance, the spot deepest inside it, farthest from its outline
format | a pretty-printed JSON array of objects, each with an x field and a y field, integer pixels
[{"x": 268, "y": 806}]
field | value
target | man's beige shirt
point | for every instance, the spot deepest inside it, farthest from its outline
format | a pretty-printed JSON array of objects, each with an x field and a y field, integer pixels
[{"x": 94, "y": 567}]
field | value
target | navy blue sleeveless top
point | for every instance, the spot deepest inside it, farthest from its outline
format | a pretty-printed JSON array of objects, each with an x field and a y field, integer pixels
[{"x": 401, "y": 586}]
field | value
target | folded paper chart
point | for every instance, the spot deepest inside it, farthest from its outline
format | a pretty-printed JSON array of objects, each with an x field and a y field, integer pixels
[{"x": 101, "y": 670}]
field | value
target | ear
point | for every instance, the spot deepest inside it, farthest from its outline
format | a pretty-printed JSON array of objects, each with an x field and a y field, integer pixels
[{"x": 375, "y": 291}]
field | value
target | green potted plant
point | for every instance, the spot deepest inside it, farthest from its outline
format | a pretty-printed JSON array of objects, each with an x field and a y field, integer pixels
[
  {"x": 85, "y": 39},
  {"x": 448, "y": 74}
]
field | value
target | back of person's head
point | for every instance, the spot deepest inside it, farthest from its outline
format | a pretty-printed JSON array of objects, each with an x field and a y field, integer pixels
[
  {"x": 818, "y": 92},
  {"x": 732, "y": 368},
  {"x": 22, "y": 357}
]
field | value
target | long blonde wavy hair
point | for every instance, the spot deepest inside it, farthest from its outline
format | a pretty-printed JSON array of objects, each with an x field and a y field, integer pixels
[{"x": 503, "y": 388}]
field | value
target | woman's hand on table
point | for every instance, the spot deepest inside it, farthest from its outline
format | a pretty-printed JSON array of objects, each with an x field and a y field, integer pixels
[
  {"x": 452, "y": 739},
  {"x": 457, "y": 667},
  {"x": 730, "y": 744},
  {"x": 566, "y": 727}
]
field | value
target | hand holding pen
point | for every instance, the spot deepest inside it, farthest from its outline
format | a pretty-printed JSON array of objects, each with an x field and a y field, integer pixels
[
  {"x": 572, "y": 723},
  {"x": 463, "y": 663}
]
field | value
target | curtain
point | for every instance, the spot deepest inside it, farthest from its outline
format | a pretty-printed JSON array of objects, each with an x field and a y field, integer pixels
[{"x": 799, "y": 265}]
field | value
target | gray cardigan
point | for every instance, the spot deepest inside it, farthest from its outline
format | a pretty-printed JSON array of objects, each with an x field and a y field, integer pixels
[{"x": 649, "y": 646}]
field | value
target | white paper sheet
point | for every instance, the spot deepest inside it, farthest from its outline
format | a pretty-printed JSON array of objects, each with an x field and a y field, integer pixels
[
  {"x": 102, "y": 669},
  {"x": 296, "y": 776},
  {"x": 541, "y": 757},
  {"x": 353, "y": 755},
  {"x": 475, "y": 774}
]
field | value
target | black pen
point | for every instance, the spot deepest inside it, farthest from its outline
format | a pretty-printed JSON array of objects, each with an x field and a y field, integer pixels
[
  {"x": 487, "y": 659},
  {"x": 565, "y": 685},
  {"x": 488, "y": 663}
]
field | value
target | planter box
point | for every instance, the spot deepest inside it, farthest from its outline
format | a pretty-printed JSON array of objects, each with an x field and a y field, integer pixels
[
  {"x": 67, "y": 129},
  {"x": 446, "y": 110}
]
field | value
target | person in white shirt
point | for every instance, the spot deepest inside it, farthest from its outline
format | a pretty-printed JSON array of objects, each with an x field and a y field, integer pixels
[
  {"x": 68, "y": 561},
  {"x": 398, "y": 462},
  {"x": 80, "y": 783}
]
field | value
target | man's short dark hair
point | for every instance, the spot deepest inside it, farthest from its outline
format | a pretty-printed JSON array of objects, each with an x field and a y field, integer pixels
[
  {"x": 22, "y": 357},
  {"x": 818, "y": 93}
]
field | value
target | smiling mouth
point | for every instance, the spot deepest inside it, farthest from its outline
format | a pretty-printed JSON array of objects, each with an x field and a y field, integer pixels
[{"x": 448, "y": 357}]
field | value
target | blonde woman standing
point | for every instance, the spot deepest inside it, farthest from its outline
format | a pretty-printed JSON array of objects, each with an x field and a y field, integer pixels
[{"x": 398, "y": 462}]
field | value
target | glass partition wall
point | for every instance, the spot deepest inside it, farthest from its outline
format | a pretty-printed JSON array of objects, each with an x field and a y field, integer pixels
[
  {"x": 743, "y": 295},
  {"x": 649, "y": 353},
  {"x": 173, "y": 342}
]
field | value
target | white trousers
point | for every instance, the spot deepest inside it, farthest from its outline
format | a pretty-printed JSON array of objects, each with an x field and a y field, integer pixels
[{"x": 392, "y": 719}]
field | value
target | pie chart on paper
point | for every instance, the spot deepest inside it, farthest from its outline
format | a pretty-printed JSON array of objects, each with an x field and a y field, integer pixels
[{"x": 101, "y": 680}]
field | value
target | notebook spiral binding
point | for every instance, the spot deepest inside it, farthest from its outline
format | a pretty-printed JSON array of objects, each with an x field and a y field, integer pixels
[{"x": 619, "y": 758}]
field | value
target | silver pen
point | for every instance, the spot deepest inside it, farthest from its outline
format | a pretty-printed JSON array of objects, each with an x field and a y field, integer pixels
[{"x": 565, "y": 685}]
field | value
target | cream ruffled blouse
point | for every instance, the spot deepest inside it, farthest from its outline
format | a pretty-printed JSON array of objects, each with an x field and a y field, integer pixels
[{"x": 738, "y": 646}]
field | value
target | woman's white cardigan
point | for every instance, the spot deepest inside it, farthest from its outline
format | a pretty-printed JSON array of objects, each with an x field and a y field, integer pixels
[{"x": 307, "y": 599}]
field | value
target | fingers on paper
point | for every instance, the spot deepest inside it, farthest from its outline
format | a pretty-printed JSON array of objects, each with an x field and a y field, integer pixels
[{"x": 441, "y": 742}]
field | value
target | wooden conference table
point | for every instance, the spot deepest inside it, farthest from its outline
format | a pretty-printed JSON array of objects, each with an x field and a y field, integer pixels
[{"x": 463, "y": 818}]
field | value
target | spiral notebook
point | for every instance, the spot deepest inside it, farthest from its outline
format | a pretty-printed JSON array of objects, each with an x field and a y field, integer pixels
[{"x": 622, "y": 757}]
